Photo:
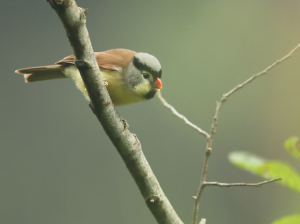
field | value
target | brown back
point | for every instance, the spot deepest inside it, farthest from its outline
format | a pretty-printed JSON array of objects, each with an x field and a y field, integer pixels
[{"x": 113, "y": 59}]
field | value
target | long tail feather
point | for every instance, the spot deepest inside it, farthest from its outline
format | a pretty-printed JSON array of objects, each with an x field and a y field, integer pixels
[{"x": 34, "y": 74}]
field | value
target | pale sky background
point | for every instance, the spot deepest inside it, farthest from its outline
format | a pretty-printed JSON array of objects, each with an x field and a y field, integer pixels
[{"x": 57, "y": 166}]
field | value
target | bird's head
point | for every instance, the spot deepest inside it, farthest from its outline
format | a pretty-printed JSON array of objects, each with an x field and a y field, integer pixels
[{"x": 143, "y": 75}]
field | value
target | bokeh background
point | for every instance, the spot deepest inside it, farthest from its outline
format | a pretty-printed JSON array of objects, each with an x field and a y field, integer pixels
[{"x": 58, "y": 166}]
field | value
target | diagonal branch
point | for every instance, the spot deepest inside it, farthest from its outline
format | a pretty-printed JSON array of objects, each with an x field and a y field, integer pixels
[
  {"x": 127, "y": 144},
  {"x": 180, "y": 116}
]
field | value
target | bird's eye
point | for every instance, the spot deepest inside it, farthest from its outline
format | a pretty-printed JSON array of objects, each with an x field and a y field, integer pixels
[{"x": 146, "y": 76}]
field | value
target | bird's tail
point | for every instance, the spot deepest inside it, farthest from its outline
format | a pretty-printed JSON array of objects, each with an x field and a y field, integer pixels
[{"x": 34, "y": 74}]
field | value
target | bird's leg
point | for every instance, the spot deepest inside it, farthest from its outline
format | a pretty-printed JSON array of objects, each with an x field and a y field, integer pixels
[
  {"x": 105, "y": 83},
  {"x": 126, "y": 125}
]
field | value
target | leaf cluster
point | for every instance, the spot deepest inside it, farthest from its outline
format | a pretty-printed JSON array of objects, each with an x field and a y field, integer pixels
[{"x": 273, "y": 169}]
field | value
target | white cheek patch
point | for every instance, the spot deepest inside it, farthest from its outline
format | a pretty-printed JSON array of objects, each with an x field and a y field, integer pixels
[{"x": 143, "y": 88}]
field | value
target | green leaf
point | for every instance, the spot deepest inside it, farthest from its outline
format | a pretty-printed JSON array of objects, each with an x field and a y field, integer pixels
[
  {"x": 291, "y": 219},
  {"x": 292, "y": 145},
  {"x": 267, "y": 168}
]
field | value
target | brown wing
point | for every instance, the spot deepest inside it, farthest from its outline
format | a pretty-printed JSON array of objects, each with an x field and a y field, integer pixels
[{"x": 113, "y": 60}]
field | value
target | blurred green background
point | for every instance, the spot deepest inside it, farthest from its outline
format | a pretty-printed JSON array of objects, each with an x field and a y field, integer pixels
[{"x": 58, "y": 166}]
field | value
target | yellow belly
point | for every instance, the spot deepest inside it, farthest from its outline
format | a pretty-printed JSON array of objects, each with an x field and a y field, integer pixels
[{"x": 120, "y": 95}]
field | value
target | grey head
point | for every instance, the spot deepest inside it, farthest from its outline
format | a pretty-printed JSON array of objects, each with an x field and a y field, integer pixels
[{"x": 143, "y": 72}]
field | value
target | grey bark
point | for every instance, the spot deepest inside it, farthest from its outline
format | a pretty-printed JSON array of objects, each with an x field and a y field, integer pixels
[{"x": 127, "y": 144}]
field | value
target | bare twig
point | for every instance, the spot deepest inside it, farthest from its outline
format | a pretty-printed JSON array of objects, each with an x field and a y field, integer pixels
[
  {"x": 226, "y": 95},
  {"x": 201, "y": 186},
  {"x": 241, "y": 184},
  {"x": 210, "y": 136},
  {"x": 127, "y": 144},
  {"x": 214, "y": 125},
  {"x": 174, "y": 111}
]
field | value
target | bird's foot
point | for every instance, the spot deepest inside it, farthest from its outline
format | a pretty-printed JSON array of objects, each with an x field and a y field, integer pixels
[
  {"x": 126, "y": 125},
  {"x": 105, "y": 83}
]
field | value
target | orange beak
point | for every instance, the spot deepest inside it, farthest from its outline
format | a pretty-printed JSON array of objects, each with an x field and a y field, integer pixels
[{"x": 158, "y": 84}]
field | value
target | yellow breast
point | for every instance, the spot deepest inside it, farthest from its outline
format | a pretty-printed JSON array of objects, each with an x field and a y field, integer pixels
[{"x": 119, "y": 93}]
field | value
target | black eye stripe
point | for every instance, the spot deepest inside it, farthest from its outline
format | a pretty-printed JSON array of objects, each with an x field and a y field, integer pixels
[{"x": 142, "y": 67}]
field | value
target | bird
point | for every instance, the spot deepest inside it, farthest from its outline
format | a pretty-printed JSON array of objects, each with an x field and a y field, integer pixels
[{"x": 130, "y": 76}]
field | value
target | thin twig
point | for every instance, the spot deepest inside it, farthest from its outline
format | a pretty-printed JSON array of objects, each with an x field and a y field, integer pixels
[
  {"x": 241, "y": 184},
  {"x": 210, "y": 136},
  {"x": 174, "y": 111},
  {"x": 226, "y": 95},
  {"x": 215, "y": 122},
  {"x": 261, "y": 73},
  {"x": 201, "y": 186},
  {"x": 214, "y": 125}
]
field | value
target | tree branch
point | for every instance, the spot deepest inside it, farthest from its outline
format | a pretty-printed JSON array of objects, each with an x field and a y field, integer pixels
[
  {"x": 127, "y": 144},
  {"x": 210, "y": 136}
]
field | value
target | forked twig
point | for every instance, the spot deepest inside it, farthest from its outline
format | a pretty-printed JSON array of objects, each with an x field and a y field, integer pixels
[{"x": 210, "y": 136}]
